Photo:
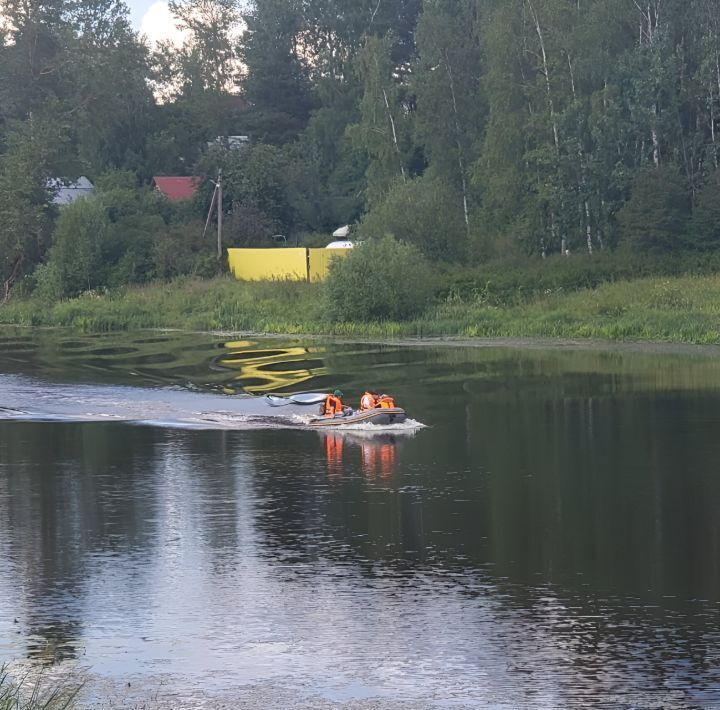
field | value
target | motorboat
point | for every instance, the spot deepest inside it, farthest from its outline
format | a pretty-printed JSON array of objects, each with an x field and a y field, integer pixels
[{"x": 310, "y": 404}]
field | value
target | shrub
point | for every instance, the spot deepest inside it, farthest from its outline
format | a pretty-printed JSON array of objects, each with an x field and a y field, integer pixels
[
  {"x": 180, "y": 250},
  {"x": 518, "y": 280},
  {"x": 425, "y": 212},
  {"x": 382, "y": 279},
  {"x": 75, "y": 262}
]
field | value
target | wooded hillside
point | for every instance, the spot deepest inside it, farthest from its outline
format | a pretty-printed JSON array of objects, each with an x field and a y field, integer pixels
[{"x": 471, "y": 128}]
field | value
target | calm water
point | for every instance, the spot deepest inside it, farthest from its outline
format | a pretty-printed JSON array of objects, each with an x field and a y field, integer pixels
[{"x": 551, "y": 540}]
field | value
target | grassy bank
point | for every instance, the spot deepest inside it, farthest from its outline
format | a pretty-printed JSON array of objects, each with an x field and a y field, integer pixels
[{"x": 673, "y": 309}]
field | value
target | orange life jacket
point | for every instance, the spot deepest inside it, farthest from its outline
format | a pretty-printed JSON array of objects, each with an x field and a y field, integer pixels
[
  {"x": 367, "y": 401},
  {"x": 333, "y": 405},
  {"x": 386, "y": 402}
]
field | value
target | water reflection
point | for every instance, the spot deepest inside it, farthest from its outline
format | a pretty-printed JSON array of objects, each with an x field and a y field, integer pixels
[
  {"x": 376, "y": 453},
  {"x": 248, "y": 365},
  {"x": 53, "y": 642},
  {"x": 551, "y": 541},
  {"x": 378, "y": 457},
  {"x": 259, "y": 370},
  {"x": 334, "y": 445}
]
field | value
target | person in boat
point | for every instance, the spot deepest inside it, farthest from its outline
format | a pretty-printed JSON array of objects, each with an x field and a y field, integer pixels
[
  {"x": 369, "y": 400},
  {"x": 385, "y": 401},
  {"x": 334, "y": 406}
]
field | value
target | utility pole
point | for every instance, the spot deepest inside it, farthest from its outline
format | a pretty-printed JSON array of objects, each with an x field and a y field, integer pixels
[{"x": 219, "y": 215}]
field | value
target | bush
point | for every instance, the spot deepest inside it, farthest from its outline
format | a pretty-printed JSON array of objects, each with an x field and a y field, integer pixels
[
  {"x": 75, "y": 262},
  {"x": 425, "y": 212},
  {"x": 180, "y": 250},
  {"x": 515, "y": 281},
  {"x": 382, "y": 279}
]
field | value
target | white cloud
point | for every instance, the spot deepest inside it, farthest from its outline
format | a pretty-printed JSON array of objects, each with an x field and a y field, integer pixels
[{"x": 159, "y": 24}]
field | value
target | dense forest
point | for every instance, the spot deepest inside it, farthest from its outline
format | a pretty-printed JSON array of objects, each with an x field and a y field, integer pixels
[{"x": 471, "y": 129}]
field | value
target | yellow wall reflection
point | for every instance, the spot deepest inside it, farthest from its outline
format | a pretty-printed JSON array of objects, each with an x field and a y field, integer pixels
[{"x": 262, "y": 370}]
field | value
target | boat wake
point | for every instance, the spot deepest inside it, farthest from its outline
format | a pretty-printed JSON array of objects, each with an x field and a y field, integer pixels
[{"x": 28, "y": 399}]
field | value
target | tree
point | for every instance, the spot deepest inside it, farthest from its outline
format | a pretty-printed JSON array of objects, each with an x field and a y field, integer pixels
[
  {"x": 383, "y": 131},
  {"x": 111, "y": 119},
  {"x": 26, "y": 212},
  {"x": 207, "y": 60},
  {"x": 75, "y": 262},
  {"x": 705, "y": 226},
  {"x": 656, "y": 216},
  {"x": 35, "y": 58},
  {"x": 425, "y": 212},
  {"x": 450, "y": 106},
  {"x": 277, "y": 82},
  {"x": 500, "y": 172}
]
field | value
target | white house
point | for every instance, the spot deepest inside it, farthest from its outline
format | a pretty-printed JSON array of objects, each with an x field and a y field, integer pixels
[{"x": 65, "y": 192}]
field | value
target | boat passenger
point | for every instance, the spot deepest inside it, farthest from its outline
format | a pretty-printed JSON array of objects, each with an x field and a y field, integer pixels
[
  {"x": 334, "y": 405},
  {"x": 385, "y": 401},
  {"x": 368, "y": 400}
]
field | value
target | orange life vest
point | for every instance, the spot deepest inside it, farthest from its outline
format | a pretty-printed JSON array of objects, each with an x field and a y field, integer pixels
[
  {"x": 333, "y": 405},
  {"x": 367, "y": 401},
  {"x": 386, "y": 402}
]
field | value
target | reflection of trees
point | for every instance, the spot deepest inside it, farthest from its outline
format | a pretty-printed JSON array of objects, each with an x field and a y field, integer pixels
[
  {"x": 618, "y": 491},
  {"x": 365, "y": 518},
  {"x": 64, "y": 504},
  {"x": 81, "y": 501},
  {"x": 53, "y": 642}
]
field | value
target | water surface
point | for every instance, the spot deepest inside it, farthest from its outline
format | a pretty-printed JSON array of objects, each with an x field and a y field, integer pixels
[{"x": 552, "y": 539}]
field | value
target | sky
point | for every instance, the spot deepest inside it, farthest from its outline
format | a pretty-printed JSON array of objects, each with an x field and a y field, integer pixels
[{"x": 152, "y": 18}]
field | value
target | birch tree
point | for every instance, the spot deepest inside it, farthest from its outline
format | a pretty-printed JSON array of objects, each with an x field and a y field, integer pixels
[
  {"x": 450, "y": 107},
  {"x": 383, "y": 132}
]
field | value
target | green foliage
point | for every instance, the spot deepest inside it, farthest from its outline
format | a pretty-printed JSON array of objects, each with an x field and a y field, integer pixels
[
  {"x": 207, "y": 60},
  {"x": 519, "y": 280},
  {"x": 75, "y": 262},
  {"x": 470, "y": 128},
  {"x": 119, "y": 236},
  {"x": 656, "y": 216},
  {"x": 676, "y": 309},
  {"x": 380, "y": 280},
  {"x": 25, "y": 209},
  {"x": 383, "y": 131},
  {"x": 256, "y": 190},
  {"x": 425, "y": 212},
  {"x": 705, "y": 225},
  {"x": 179, "y": 250},
  {"x": 277, "y": 83}
]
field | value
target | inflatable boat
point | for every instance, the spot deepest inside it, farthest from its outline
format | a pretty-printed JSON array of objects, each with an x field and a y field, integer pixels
[{"x": 310, "y": 404}]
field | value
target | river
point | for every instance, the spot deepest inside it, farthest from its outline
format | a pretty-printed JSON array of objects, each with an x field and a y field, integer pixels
[{"x": 546, "y": 534}]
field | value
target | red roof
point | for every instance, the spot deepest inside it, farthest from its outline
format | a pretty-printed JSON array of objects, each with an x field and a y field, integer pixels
[{"x": 177, "y": 188}]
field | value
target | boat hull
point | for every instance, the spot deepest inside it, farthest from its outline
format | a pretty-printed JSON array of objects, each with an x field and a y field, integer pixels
[
  {"x": 310, "y": 403},
  {"x": 378, "y": 417}
]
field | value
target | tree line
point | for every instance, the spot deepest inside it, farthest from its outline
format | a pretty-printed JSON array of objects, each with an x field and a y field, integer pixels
[{"x": 471, "y": 129}]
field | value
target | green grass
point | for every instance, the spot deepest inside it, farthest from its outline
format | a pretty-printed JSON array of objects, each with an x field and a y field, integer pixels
[
  {"x": 35, "y": 695},
  {"x": 673, "y": 309}
]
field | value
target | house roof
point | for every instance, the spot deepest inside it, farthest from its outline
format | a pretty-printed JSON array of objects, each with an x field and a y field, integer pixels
[
  {"x": 177, "y": 189},
  {"x": 64, "y": 192}
]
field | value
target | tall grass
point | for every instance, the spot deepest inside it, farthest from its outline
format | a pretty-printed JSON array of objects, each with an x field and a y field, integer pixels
[
  {"x": 35, "y": 695},
  {"x": 678, "y": 309}
]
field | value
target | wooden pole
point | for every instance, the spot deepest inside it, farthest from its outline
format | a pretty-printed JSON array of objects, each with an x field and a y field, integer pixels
[
  {"x": 219, "y": 216},
  {"x": 209, "y": 214}
]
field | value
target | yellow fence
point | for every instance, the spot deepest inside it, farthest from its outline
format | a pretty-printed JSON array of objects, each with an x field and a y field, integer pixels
[{"x": 282, "y": 264}]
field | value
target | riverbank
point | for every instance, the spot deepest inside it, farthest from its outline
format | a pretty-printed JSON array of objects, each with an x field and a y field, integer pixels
[{"x": 670, "y": 309}]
